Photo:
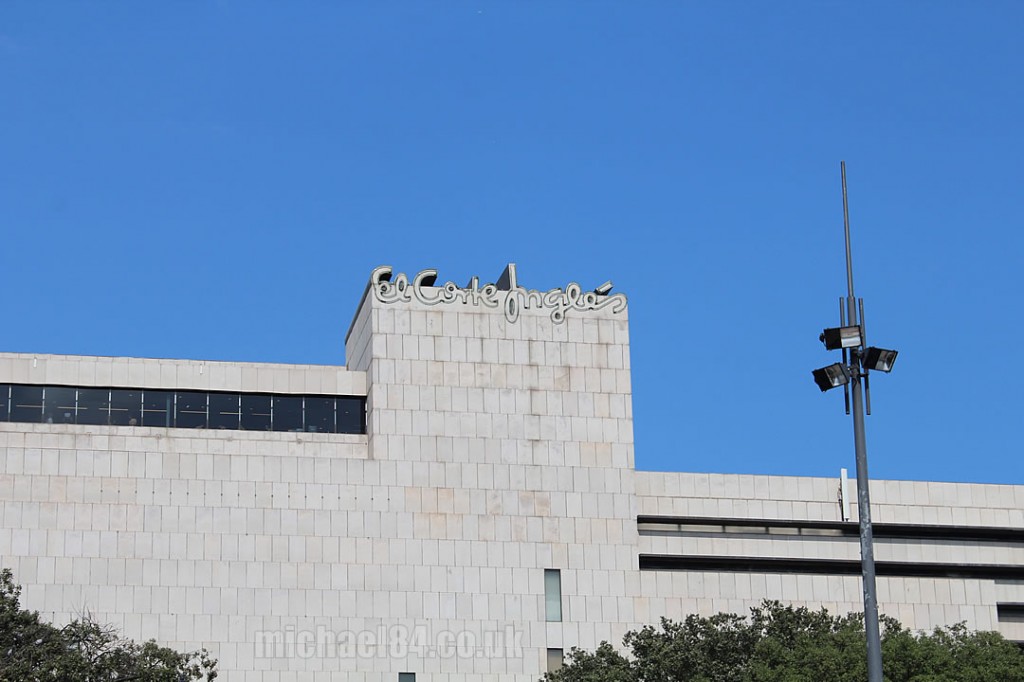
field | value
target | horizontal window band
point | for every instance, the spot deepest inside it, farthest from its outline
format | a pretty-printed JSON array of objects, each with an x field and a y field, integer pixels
[
  {"x": 197, "y": 391},
  {"x": 1010, "y": 613},
  {"x": 189, "y": 409},
  {"x": 892, "y": 569},
  {"x": 899, "y": 531}
]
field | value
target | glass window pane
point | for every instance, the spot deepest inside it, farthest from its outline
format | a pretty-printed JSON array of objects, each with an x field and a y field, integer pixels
[
  {"x": 26, "y": 404},
  {"x": 224, "y": 411},
  {"x": 351, "y": 415},
  {"x": 287, "y": 413},
  {"x": 5, "y": 402},
  {"x": 555, "y": 658},
  {"x": 553, "y": 595},
  {"x": 320, "y": 415},
  {"x": 190, "y": 410},
  {"x": 58, "y": 405},
  {"x": 93, "y": 406},
  {"x": 157, "y": 408},
  {"x": 406, "y": 677},
  {"x": 256, "y": 412},
  {"x": 125, "y": 407}
]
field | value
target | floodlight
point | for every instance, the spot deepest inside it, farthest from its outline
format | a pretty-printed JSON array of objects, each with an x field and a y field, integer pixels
[
  {"x": 879, "y": 358},
  {"x": 604, "y": 289},
  {"x": 841, "y": 337},
  {"x": 831, "y": 376}
]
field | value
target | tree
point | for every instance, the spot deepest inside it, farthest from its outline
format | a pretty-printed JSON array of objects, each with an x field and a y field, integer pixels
[
  {"x": 779, "y": 643},
  {"x": 32, "y": 650}
]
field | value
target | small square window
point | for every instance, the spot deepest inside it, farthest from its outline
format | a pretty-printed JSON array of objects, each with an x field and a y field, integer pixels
[{"x": 406, "y": 677}]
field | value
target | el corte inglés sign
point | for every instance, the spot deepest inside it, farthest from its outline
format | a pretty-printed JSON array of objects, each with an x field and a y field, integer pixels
[{"x": 506, "y": 294}]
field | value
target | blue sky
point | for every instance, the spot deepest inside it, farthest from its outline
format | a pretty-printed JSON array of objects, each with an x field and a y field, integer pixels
[{"x": 216, "y": 180}]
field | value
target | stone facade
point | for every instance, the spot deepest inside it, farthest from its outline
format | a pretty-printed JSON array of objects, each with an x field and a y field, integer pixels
[{"x": 494, "y": 450}]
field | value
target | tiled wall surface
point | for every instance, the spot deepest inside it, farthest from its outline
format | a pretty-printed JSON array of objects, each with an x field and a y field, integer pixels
[
  {"x": 797, "y": 497},
  {"x": 186, "y": 537},
  {"x": 919, "y": 603},
  {"x": 200, "y": 375},
  {"x": 524, "y": 434},
  {"x": 493, "y": 451}
]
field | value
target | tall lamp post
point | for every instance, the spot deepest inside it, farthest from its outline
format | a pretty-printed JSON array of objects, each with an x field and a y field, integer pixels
[{"x": 852, "y": 374}]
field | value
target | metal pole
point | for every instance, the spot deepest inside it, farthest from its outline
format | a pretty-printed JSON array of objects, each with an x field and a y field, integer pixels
[
  {"x": 849, "y": 252},
  {"x": 867, "y": 550}
]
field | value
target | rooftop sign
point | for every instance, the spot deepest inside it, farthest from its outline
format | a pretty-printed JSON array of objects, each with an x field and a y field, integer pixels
[{"x": 505, "y": 293}]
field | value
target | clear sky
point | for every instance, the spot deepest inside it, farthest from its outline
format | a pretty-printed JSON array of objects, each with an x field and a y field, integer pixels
[{"x": 217, "y": 179}]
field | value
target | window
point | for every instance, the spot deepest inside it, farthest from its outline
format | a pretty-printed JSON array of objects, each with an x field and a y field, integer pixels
[
  {"x": 224, "y": 411},
  {"x": 553, "y": 595},
  {"x": 93, "y": 406},
  {"x": 287, "y": 413},
  {"x": 157, "y": 408},
  {"x": 190, "y": 410},
  {"x": 351, "y": 415},
  {"x": 406, "y": 677},
  {"x": 1010, "y": 613},
  {"x": 58, "y": 405},
  {"x": 27, "y": 404},
  {"x": 555, "y": 658},
  {"x": 125, "y": 407},
  {"x": 256, "y": 412},
  {"x": 320, "y": 415},
  {"x": 34, "y": 404}
]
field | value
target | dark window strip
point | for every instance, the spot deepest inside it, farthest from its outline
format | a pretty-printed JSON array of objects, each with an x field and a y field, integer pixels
[
  {"x": 895, "y": 569},
  {"x": 227, "y": 410},
  {"x": 1010, "y": 613},
  {"x": 897, "y": 531}
]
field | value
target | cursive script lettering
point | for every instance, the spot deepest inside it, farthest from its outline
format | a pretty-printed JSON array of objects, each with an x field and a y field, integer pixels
[{"x": 388, "y": 289}]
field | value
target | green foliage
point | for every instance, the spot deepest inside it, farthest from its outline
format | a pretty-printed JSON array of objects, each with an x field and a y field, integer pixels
[
  {"x": 779, "y": 643},
  {"x": 604, "y": 665},
  {"x": 83, "y": 651}
]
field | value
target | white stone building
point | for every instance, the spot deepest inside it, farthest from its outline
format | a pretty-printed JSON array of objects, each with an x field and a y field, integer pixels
[{"x": 481, "y": 517}]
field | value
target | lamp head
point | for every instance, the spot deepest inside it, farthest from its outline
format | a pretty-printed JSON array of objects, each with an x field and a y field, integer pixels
[
  {"x": 836, "y": 338},
  {"x": 831, "y": 376},
  {"x": 880, "y": 359}
]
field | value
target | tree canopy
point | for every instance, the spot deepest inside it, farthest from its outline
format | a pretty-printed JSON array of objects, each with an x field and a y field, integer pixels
[
  {"x": 32, "y": 650},
  {"x": 778, "y": 643}
]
